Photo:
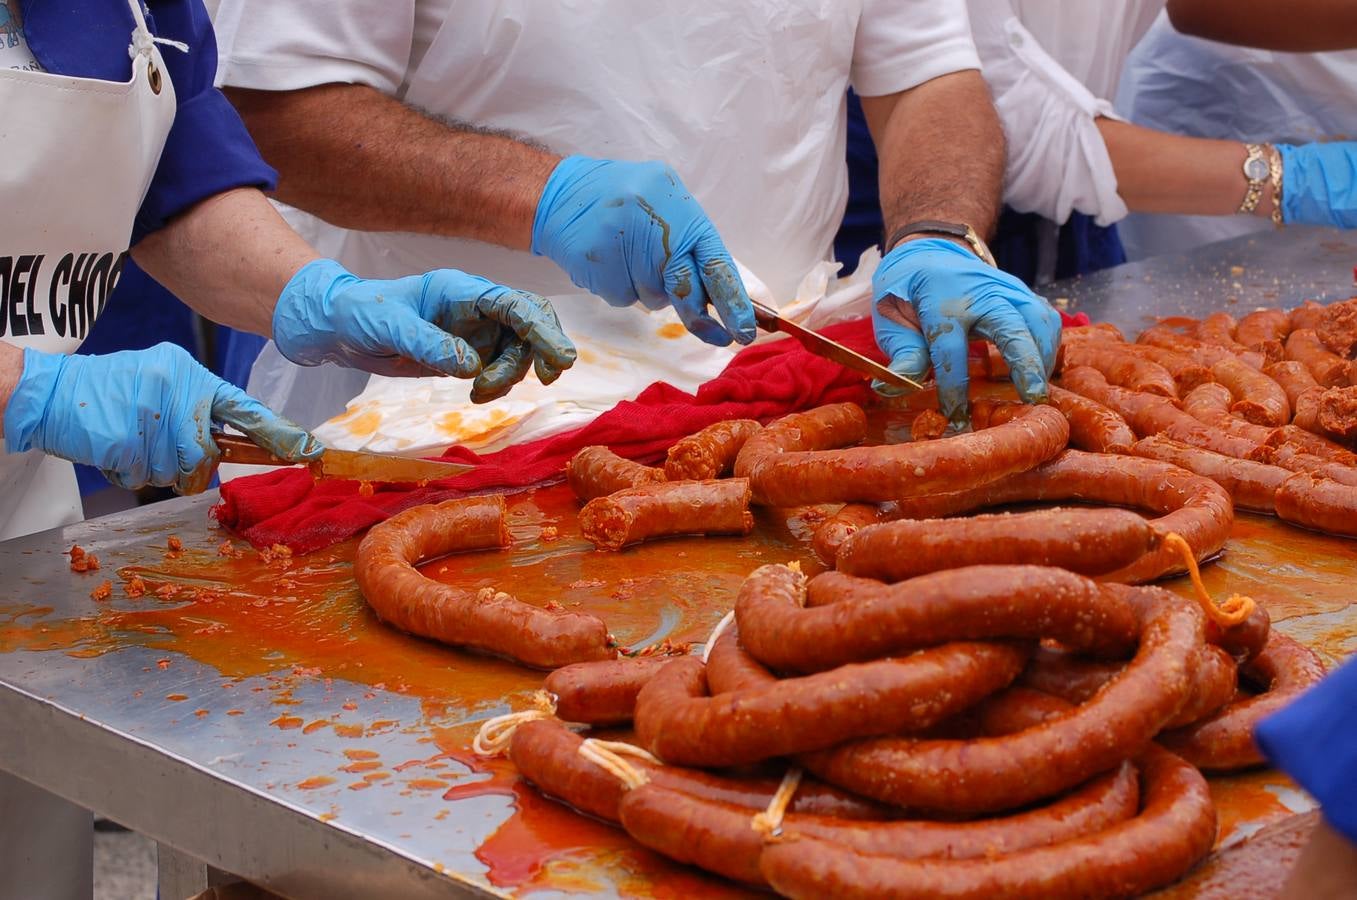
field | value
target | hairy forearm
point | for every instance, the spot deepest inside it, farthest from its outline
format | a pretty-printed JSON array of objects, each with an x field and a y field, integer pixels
[
  {"x": 1327, "y": 868},
  {"x": 1302, "y": 26},
  {"x": 11, "y": 367},
  {"x": 942, "y": 153},
  {"x": 228, "y": 257},
  {"x": 1159, "y": 172},
  {"x": 361, "y": 159}
]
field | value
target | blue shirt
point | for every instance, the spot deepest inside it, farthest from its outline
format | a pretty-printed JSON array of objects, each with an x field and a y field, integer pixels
[
  {"x": 1314, "y": 740},
  {"x": 208, "y": 150}
]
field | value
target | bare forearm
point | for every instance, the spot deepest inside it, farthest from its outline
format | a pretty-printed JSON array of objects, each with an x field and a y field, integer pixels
[
  {"x": 1159, "y": 172},
  {"x": 361, "y": 159},
  {"x": 1302, "y": 26},
  {"x": 229, "y": 258},
  {"x": 942, "y": 153},
  {"x": 11, "y": 367},
  {"x": 1327, "y": 868}
]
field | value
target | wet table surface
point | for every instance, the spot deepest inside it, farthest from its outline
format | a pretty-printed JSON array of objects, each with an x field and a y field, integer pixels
[{"x": 250, "y": 711}]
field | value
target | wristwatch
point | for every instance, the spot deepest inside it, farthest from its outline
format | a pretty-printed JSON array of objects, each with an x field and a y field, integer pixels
[
  {"x": 951, "y": 229},
  {"x": 1274, "y": 162},
  {"x": 1256, "y": 172}
]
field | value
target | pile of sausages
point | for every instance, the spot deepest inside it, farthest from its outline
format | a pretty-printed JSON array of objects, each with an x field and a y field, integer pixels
[
  {"x": 1266, "y": 406},
  {"x": 1009, "y": 730}
]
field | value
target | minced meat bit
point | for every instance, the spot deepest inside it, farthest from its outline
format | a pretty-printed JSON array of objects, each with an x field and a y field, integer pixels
[
  {"x": 102, "y": 592},
  {"x": 1337, "y": 330},
  {"x": 174, "y": 545},
  {"x": 82, "y": 561},
  {"x": 135, "y": 587},
  {"x": 1338, "y": 412}
]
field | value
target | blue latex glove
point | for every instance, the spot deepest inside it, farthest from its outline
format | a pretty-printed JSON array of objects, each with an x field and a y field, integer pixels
[
  {"x": 931, "y": 294},
  {"x": 631, "y": 231},
  {"x": 444, "y": 322},
  {"x": 1319, "y": 184},
  {"x": 141, "y": 416}
]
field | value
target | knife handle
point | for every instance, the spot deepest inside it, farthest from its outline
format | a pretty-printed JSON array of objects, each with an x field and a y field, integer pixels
[{"x": 243, "y": 451}]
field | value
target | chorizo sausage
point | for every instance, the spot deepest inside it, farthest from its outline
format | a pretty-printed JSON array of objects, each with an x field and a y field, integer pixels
[
  {"x": 486, "y": 620},
  {"x": 1243, "y": 640},
  {"x": 710, "y": 453},
  {"x": 1187, "y": 372},
  {"x": 1176, "y": 827},
  {"x": 783, "y": 475},
  {"x": 597, "y": 471},
  {"x": 1337, "y": 328},
  {"x": 1308, "y": 315},
  {"x": 1087, "y": 541},
  {"x": 1294, "y": 459},
  {"x": 823, "y": 428},
  {"x": 1295, "y": 379},
  {"x": 546, "y": 753},
  {"x": 832, "y": 532},
  {"x": 1212, "y": 404},
  {"x": 876, "y": 620},
  {"x": 1093, "y": 427},
  {"x": 678, "y": 722},
  {"x": 1219, "y": 328},
  {"x": 1329, "y": 369},
  {"x": 713, "y": 836},
  {"x": 660, "y": 510},
  {"x": 1005, "y": 772},
  {"x": 1258, "y": 399},
  {"x": 1192, "y": 506},
  {"x": 1313, "y": 444},
  {"x": 1337, "y": 413},
  {"x": 602, "y": 692},
  {"x": 1224, "y": 742},
  {"x": 1206, "y": 353},
  {"x": 1124, "y": 369},
  {"x": 928, "y": 425},
  {"x": 1251, "y": 485},
  {"x": 1263, "y": 329},
  {"x": 1318, "y": 503},
  {"x": 1098, "y": 331}
]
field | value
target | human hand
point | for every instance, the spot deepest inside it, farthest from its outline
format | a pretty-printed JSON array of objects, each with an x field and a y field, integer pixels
[
  {"x": 444, "y": 322},
  {"x": 1319, "y": 184},
  {"x": 631, "y": 231},
  {"x": 140, "y": 416},
  {"x": 930, "y": 294}
]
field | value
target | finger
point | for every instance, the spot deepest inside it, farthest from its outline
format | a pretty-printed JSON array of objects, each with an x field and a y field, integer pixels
[
  {"x": 1043, "y": 323},
  {"x": 503, "y": 372},
  {"x": 725, "y": 289},
  {"x": 1001, "y": 323},
  {"x": 196, "y": 453},
  {"x": 284, "y": 439},
  {"x": 689, "y": 299},
  {"x": 534, "y": 320},
  {"x": 425, "y": 344},
  {"x": 948, "y": 348},
  {"x": 896, "y": 326}
]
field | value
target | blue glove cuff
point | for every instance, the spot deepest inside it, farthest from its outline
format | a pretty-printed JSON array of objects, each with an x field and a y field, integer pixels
[
  {"x": 556, "y": 193},
  {"x": 301, "y": 320},
  {"x": 1319, "y": 184},
  {"x": 27, "y": 410},
  {"x": 899, "y": 268}
]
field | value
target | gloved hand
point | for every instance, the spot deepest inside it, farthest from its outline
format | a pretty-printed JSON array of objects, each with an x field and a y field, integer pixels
[
  {"x": 930, "y": 294},
  {"x": 1319, "y": 184},
  {"x": 444, "y": 322},
  {"x": 141, "y": 416},
  {"x": 631, "y": 231}
]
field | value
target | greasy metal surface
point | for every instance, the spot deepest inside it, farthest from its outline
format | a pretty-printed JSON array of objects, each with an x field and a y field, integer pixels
[
  {"x": 261, "y": 720},
  {"x": 1267, "y": 269}
]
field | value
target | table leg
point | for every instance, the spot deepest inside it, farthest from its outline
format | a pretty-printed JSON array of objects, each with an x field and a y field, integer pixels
[
  {"x": 46, "y": 844},
  {"x": 180, "y": 876}
]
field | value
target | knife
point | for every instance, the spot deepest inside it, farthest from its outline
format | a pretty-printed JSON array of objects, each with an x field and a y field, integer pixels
[
  {"x": 343, "y": 463},
  {"x": 769, "y": 320}
]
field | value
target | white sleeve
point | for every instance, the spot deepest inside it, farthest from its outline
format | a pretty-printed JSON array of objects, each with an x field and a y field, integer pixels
[
  {"x": 1057, "y": 160},
  {"x": 900, "y": 44},
  {"x": 285, "y": 45}
]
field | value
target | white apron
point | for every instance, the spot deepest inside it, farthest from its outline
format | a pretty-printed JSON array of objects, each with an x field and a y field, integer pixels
[{"x": 79, "y": 155}]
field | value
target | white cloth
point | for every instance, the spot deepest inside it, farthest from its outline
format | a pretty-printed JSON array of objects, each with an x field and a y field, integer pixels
[
  {"x": 1053, "y": 66},
  {"x": 1204, "y": 89},
  {"x": 79, "y": 155},
  {"x": 746, "y": 100}
]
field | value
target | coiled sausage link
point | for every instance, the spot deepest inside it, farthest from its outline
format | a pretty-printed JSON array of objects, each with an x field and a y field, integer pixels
[
  {"x": 1187, "y": 372},
  {"x": 1328, "y": 368},
  {"x": 671, "y": 508},
  {"x": 832, "y": 532},
  {"x": 1251, "y": 485},
  {"x": 875, "y": 620},
  {"x": 1212, "y": 404},
  {"x": 1318, "y": 503},
  {"x": 1263, "y": 329},
  {"x": 1093, "y": 427},
  {"x": 997, "y": 773},
  {"x": 782, "y": 473},
  {"x": 1087, "y": 541},
  {"x": 597, "y": 471},
  {"x": 1127, "y": 370},
  {"x": 602, "y": 692},
  {"x": 1257, "y": 398},
  {"x": 711, "y": 452},
  {"x": 486, "y": 620},
  {"x": 1175, "y": 828}
]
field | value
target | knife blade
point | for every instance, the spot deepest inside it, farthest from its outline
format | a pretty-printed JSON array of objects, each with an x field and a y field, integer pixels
[
  {"x": 346, "y": 464},
  {"x": 769, "y": 320}
]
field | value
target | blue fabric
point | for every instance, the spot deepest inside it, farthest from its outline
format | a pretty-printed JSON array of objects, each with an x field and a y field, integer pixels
[
  {"x": 1083, "y": 247},
  {"x": 208, "y": 150},
  {"x": 1314, "y": 740}
]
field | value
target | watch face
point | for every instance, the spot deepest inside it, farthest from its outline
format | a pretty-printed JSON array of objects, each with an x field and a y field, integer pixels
[{"x": 1255, "y": 168}]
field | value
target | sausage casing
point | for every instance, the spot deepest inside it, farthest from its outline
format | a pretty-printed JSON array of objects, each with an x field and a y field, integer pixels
[
  {"x": 671, "y": 508},
  {"x": 711, "y": 452},
  {"x": 597, "y": 471}
]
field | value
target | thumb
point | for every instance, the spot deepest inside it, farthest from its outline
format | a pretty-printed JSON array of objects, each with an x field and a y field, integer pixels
[
  {"x": 905, "y": 348},
  {"x": 284, "y": 439}
]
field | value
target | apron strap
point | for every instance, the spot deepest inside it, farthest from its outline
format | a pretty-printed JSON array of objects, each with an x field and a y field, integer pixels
[{"x": 142, "y": 39}]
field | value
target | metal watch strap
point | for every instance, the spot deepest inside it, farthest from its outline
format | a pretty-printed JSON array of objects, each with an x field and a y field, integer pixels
[
  {"x": 1274, "y": 164},
  {"x": 1255, "y": 189},
  {"x": 950, "y": 229}
]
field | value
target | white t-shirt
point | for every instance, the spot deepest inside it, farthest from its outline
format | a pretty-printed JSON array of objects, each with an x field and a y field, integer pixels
[
  {"x": 14, "y": 52},
  {"x": 1053, "y": 68}
]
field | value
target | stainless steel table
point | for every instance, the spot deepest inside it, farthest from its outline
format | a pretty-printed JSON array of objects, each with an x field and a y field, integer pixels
[{"x": 261, "y": 721}]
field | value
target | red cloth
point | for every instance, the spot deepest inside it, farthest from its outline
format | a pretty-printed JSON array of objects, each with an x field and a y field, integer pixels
[{"x": 287, "y": 506}]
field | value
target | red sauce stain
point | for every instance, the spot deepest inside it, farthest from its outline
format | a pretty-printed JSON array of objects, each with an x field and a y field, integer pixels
[
  {"x": 200, "y": 713},
  {"x": 317, "y": 725},
  {"x": 235, "y": 712},
  {"x": 355, "y": 753},
  {"x": 360, "y": 785},
  {"x": 349, "y": 731},
  {"x": 426, "y": 784},
  {"x": 366, "y": 765},
  {"x": 1245, "y": 798},
  {"x": 287, "y": 722},
  {"x": 317, "y": 781},
  {"x": 377, "y": 776},
  {"x": 176, "y": 698}
]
